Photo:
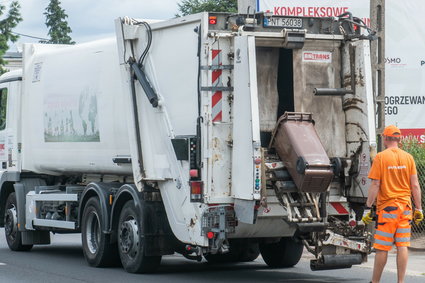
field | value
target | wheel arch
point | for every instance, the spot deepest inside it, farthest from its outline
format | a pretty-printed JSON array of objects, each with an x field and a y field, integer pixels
[
  {"x": 6, "y": 189},
  {"x": 7, "y": 182},
  {"x": 103, "y": 192},
  {"x": 125, "y": 193},
  {"x": 155, "y": 228}
]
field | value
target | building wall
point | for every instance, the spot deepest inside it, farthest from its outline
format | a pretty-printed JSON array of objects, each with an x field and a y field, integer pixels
[{"x": 14, "y": 60}]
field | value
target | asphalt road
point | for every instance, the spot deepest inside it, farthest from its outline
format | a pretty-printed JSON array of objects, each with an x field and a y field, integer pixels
[{"x": 63, "y": 261}]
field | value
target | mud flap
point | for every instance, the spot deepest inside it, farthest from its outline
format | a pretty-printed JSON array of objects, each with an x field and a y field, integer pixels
[{"x": 245, "y": 211}]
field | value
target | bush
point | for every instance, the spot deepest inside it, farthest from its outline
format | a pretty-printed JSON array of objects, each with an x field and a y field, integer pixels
[
  {"x": 417, "y": 150},
  {"x": 412, "y": 146}
]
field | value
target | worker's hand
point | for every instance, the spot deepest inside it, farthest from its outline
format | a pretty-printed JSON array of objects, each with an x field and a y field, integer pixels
[
  {"x": 367, "y": 216},
  {"x": 418, "y": 216}
]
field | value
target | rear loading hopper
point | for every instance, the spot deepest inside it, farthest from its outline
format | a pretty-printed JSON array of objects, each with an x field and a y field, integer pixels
[{"x": 299, "y": 147}]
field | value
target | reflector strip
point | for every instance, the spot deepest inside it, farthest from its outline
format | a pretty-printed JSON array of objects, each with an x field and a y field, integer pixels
[
  {"x": 389, "y": 215},
  {"x": 382, "y": 242},
  {"x": 216, "y": 107},
  {"x": 403, "y": 230},
  {"x": 217, "y": 110},
  {"x": 340, "y": 209},
  {"x": 402, "y": 240},
  {"x": 216, "y": 77},
  {"x": 384, "y": 234},
  {"x": 406, "y": 212}
]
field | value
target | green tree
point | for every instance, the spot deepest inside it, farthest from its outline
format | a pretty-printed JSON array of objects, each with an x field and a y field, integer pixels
[
  {"x": 187, "y": 7},
  {"x": 56, "y": 23},
  {"x": 7, "y": 24}
]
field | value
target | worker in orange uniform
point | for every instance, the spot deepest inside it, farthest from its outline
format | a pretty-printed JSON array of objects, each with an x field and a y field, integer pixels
[{"x": 394, "y": 182}]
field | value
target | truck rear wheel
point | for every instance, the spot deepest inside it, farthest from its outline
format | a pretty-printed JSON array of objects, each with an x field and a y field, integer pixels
[
  {"x": 285, "y": 253},
  {"x": 96, "y": 245},
  {"x": 13, "y": 235},
  {"x": 131, "y": 244},
  {"x": 249, "y": 250},
  {"x": 241, "y": 250},
  {"x": 229, "y": 257}
]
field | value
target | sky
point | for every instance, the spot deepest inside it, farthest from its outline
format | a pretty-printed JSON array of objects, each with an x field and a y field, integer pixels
[{"x": 89, "y": 19}]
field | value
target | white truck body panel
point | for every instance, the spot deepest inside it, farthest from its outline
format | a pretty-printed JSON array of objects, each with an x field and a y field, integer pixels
[
  {"x": 176, "y": 115},
  {"x": 72, "y": 113},
  {"x": 246, "y": 135}
]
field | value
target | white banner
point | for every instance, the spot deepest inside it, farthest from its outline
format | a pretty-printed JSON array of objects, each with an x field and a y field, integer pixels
[
  {"x": 405, "y": 57},
  {"x": 316, "y": 8}
]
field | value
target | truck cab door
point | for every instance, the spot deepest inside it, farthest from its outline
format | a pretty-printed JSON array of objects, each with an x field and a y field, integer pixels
[
  {"x": 3, "y": 135},
  {"x": 9, "y": 110}
]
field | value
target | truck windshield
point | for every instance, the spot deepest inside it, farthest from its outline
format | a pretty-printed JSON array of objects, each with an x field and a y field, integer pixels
[{"x": 3, "y": 108}]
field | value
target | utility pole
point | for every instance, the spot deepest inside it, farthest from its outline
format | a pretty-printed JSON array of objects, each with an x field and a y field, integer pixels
[
  {"x": 377, "y": 23},
  {"x": 243, "y": 6}
]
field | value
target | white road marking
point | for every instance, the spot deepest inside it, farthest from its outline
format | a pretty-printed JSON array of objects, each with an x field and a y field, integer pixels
[{"x": 1, "y": 263}]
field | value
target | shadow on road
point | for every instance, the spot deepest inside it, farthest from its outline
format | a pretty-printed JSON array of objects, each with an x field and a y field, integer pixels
[
  {"x": 255, "y": 271},
  {"x": 186, "y": 270},
  {"x": 60, "y": 251},
  {"x": 64, "y": 259}
]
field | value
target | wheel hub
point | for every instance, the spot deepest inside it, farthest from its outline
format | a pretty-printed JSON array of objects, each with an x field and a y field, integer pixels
[
  {"x": 93, "y": 232},
  {"x": 129, "y": 237},
  {"x": 11, "y": 221}
]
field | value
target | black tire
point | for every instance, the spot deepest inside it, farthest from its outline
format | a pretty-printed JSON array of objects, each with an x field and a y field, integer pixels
[
  {"x": 285, "y": 253},
  {"x": 97, "y": 249},
  {"x": 230, "y": 257},
  {"x": 13, "y": 236},
  {"x": 131, "y": 244},
  {"x": 249, "y": 251},
  {"x": 241, "y": 250}
]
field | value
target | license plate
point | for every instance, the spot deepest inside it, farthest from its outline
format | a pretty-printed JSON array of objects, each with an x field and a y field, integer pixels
[{"x": 283, "y": 22}]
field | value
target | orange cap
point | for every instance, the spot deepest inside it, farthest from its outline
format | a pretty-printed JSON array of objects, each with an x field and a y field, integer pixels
[{"x": 392, "y": 131}]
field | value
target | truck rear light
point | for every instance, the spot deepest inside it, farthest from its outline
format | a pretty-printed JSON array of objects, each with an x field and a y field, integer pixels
[
  {"x": 196, "y": 188},
  {"x": 193, "y": 173},
  {"x": 213, "y": 20},
  {"x": 210, "y": 235}
]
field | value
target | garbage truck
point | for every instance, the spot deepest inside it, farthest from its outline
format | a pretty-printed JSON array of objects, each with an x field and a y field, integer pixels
[{"x": 217, "y": 136}]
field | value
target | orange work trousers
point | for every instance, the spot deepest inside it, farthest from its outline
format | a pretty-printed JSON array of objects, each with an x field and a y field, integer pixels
[{"x": 393, "y": 226}]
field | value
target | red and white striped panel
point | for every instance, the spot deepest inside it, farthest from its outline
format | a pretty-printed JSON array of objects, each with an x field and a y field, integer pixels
[
  {"x": 217, "y": 110},
  {"x": 338, "y": 208}
]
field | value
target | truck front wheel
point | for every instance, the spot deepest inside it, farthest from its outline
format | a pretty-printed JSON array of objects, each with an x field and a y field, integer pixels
[
  {"x": 131, "y": 244},
  {"x": 96, "y": 245},
  {"x": 285, "y": 253},
  {"x": 13, "y": 235}
]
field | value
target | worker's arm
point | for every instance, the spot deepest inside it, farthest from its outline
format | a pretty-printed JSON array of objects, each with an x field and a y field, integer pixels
[
  {"x": 416, "y": 191},
  {"x": 373, "y": 192}
]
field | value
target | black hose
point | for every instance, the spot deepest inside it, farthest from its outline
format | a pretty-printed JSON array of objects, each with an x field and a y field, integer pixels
[
  {"x": 136, "y": 123},
  {"x": 148, "y": 45},
  {"x": 200, "y": 119}
]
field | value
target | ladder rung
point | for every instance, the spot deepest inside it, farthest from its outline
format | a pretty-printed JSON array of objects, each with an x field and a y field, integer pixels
[{"x": 302, "y": 204}]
